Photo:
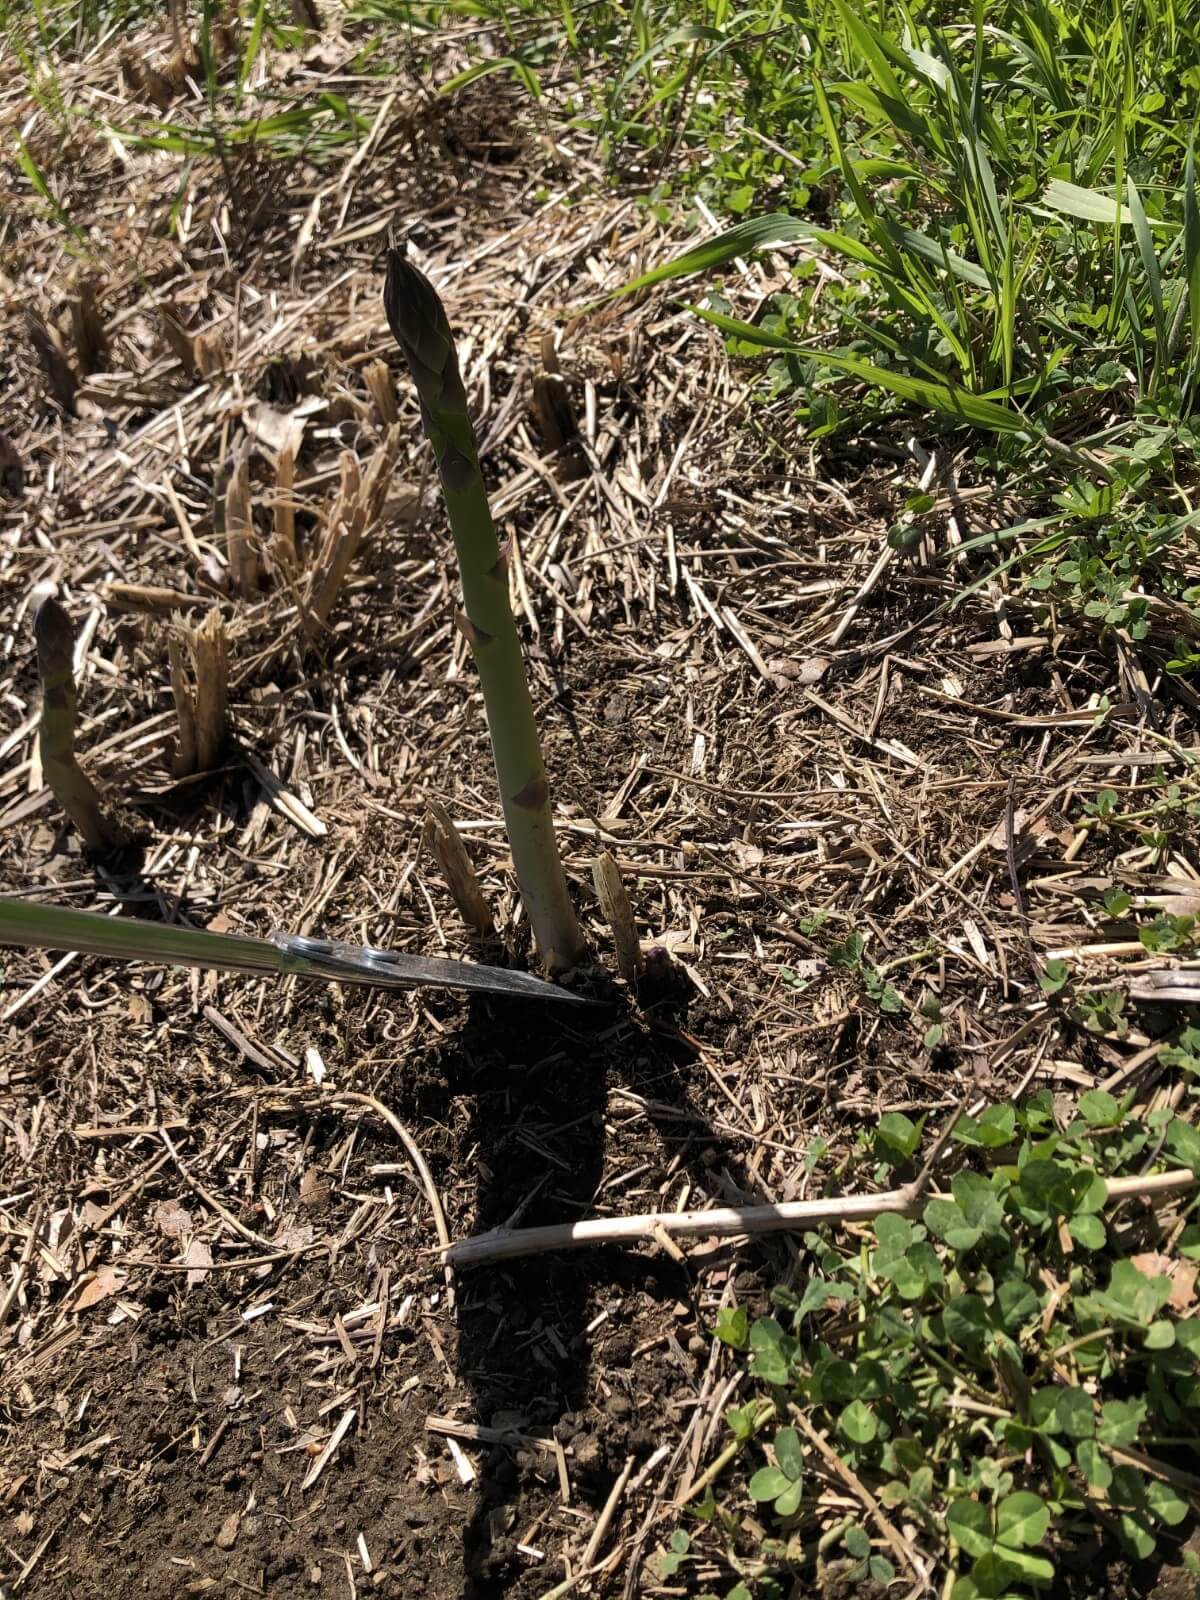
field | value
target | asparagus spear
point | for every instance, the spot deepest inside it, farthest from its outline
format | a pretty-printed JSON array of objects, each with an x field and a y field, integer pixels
[
  {"x": 418, "y": 321},
  {"x": 37, "y": 926}
]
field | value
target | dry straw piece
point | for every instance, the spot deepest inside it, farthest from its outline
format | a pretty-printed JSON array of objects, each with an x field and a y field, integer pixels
[
  {"x": 181, "y": 342},
  {"x": 283, "y": 542},
  {"x": 556, "y": 417},
  {"x": 450, "y": 853},
  {"x": 60, "y": 375},
  {"x": 618, "y": 913},
  {"x": 208, "y": 354},
  {"x": 356, "y": 508},
  {"x": 239, "y": 530},
  {"x": 382, "y": 389},
  {"x": 87, "y": 330},
  {"x": 70, "y": 785},
  {"x": 200, "y": 686}
]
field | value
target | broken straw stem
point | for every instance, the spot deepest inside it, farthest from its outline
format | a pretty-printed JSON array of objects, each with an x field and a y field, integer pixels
[
  {"x": 505, "y": 1244},
  {"x": 75, "y": 792}
]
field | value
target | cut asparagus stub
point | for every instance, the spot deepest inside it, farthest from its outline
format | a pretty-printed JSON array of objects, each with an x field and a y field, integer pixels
[{"x": 418, "y": 321}]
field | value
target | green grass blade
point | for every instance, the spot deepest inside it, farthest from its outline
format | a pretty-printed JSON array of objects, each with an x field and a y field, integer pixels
[
  {"x": 1087, "y": 205},
  {"x": 744, "y": 239},
  {"x": 1145, "y": 244},
  {"x": 947, "y": 399},
  {"x": 1191, "y": 250},
  {"x": 253, "y": 44},
  {"x": 691, "y": 34}
]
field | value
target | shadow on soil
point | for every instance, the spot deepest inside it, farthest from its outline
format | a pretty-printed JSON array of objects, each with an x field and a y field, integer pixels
[{"x": 545, "y": 1141}]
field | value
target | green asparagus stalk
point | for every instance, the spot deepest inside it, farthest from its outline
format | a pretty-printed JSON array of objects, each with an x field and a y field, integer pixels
[
  {"x": 35, "y": 926},
  {"x": 418, "y": 321}
]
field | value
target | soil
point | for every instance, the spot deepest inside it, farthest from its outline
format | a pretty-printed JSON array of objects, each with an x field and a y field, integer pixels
[{"x": 232, "y": 1362}]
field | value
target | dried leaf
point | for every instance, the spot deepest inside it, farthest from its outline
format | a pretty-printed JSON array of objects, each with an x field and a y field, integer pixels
[
  {"x": 1183, "y": 1287},
  {"x": 295, "y": 1235},
  {"x": 228, "y": 1531},
  {"x": 108, "y": 1281},
  {"x": 173, "y": 1219},
  {"x": 1153, "y": 1264},
  {"x": 199, "y": 1258}
]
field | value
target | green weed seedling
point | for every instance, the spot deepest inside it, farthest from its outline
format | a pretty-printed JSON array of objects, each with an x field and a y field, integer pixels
[{"x": 1005, "y": 1373}]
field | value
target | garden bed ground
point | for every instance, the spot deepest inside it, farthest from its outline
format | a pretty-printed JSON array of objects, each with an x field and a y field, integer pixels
[{"x": 235, "y": 1265}]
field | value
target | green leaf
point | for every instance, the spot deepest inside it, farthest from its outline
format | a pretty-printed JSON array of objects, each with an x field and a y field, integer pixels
[
  {"x": 1136, "y": 1536},
  {"x": 1191, "y": 244},
  {"x": 1088, "y": 1230},
  {"x": 1166, "y": 1503},
  {"x": 521, "y": 70},
  {"x": 893, "y": 1232},
  {"x": 1120, "y": 1422},
  {"x": 1093, "y": 1463},
  {"x": 996, "y": 1571},
  {"x": 857, "y": 1422},
  {"x": 857, "y": 1542},
  {"x": 733, "y": 1327},
  {"x": 689, "y": 34},
  {"x": 741, "y": 1422},
  {"x": 1090, "y": 1192},
  {"x": 744, "y": 239},
  {"x": 1088, "y": 205},
  {"x": 788, "y": 1502},
  {"x": 997, "y": 1126},
  {"x": 899, "y": 1133},
  {"x": 833, "y": 1381},
  {"x": 1018, "y": 1302},
  {"x": 945, "y": 1219},
  {"x": 789, "y": 1453},
  {"x": 1021, "y": 1519},
  {"x": 965, "y": 1320},
  {"x": 1159, "y": 1336},
  {"x": 970, "y": 1525},
  {"x": 816, "y": 1293},
  {"x": 768, "y": 1483},
  {"x": 1132, "y": 1295},
  {"x": 770, "y": 1351},
  {"x": 978, "y": 1201},
  {"x": 1187, "y": 1336},
  {"x": 1063, "y": 1410},
  {"x": 1055, "y": 976},
  {"x": 1099, "y": 1109},
  {"x": 1183, "y": 1141},
  {"x": 911, "y": 1272},
  {"x": 1046, "y": 1188}
]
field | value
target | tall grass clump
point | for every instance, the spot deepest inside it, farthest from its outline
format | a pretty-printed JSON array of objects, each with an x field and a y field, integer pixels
[
  {"x": 992, "y": 220},
  {"x": 1007, "y": 200}
]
